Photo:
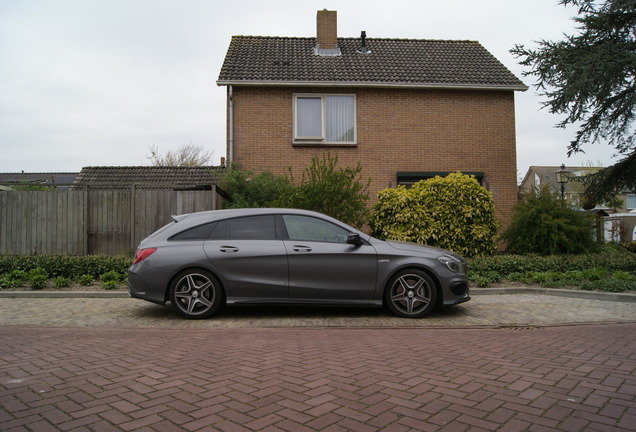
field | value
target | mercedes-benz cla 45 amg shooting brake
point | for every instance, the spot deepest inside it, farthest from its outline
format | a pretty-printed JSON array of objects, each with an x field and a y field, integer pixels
[{"x": 203, "y": 260}]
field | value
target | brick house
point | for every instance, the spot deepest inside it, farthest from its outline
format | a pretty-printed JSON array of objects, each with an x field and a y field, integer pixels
[{"x": 404, "y": 109}]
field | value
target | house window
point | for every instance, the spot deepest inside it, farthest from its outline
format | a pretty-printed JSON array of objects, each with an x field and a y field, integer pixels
[
  {"x": 630, "y": 203},
  {"x": 324, "y": 119}
]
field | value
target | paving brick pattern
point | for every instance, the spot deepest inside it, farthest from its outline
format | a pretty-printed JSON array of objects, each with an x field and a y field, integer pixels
[
  {"x": 482, "y": 310},
  {"x": 568, "y": 378}
]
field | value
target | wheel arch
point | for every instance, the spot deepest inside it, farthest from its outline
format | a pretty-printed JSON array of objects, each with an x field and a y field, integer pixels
[
  {"x": 195, "y": 268},
  {"x": 438, "y": 287}
]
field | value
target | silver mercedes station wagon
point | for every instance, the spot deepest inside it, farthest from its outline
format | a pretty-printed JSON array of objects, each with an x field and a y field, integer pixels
[{"x": 204, "y": 260}]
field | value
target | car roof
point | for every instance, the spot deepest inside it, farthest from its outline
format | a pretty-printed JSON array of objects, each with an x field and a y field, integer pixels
[
  {"x": 190, "y": 220},
  {"x": 193, "y": 219}
]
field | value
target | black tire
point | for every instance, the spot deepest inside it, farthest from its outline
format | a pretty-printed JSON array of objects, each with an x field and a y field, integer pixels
[
  {"x": 195, "y": 294},
  {"x": 410, "y": 293}
]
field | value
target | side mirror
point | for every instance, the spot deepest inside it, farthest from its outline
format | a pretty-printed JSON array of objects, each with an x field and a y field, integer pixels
[{"x": 354, "y": 239}]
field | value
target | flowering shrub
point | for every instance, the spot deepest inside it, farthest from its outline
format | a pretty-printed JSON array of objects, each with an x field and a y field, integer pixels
[{"x": 453, "y": 212}]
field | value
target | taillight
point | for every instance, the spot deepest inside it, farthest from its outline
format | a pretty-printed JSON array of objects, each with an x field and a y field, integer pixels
[{"x": 142, "y": 254}]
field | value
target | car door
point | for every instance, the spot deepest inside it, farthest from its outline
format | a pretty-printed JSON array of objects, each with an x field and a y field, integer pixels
[
  {"x": 250, "y": 259},
  {"x": 322, "y": 265}
]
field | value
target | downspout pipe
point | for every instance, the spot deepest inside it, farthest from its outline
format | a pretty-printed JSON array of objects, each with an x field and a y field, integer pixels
[{"x": 230, "y": 132}]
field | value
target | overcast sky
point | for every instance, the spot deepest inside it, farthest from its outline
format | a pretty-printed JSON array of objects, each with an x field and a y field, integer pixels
[{"x": 97, "y": 82}]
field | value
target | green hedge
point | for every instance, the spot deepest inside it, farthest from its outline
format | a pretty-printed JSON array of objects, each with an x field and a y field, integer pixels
[
  {"x": 508, "y": 264},
  {"x": 612, "y": 272},
  {"x": 65, "y": 266}
]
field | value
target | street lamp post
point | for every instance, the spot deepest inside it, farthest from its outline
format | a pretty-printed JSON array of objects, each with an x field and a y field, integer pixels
[{"x": 562, "y": 177}]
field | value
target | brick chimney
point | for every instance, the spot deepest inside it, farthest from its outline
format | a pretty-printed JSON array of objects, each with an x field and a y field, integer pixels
[{"x": 327, "y": 32}]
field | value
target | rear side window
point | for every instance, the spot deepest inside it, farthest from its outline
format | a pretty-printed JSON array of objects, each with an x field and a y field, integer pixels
[
  {"x": 221, "y": 231},
  {"x": 245, "y": 228},
  {"x": 200, "y": 232},
  {"x": 253, "y": 228}
]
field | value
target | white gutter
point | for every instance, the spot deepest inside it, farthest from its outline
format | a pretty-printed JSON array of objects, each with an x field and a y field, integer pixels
[{"x": 445, "y": 86}]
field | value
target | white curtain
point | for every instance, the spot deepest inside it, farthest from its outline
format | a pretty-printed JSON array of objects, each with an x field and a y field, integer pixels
[
  {"x": 308, "y": 117},
  {"x": 339, "y": 114}
]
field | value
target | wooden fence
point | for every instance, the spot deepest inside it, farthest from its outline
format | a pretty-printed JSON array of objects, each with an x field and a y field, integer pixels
[{"x": 90, "y": 222}]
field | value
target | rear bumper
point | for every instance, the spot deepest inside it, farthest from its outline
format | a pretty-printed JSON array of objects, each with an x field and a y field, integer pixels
[{"x": 142, "y": 289}]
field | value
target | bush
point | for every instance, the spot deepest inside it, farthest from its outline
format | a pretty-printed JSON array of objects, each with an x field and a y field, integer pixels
[
  {"x": 66, "y": 266},
  {"x": 622, "y": 275},
  {"x": 112, "y": 276},
  {"x": 589, "y": 271},
  {"x": 7, "y": 282},
  {"x": 453, "y": 212},
  {"x": 110, "y": 285},
  {"x": 37, "y": 278},
  {"x": 36, "y": 272},
  {"x": 19, "y": 276},
  {"x": 13, "y": 279},
  {"x": 61, "y": 282},
  {"x": 544, "y": 224},
  {"x": 484, "y": 279},
  {"x": 506, "y": 265},
  {"x": 249, "y": 190},
  {"x": 38, "y": 282},
  {"x": 85, "y": 280},
  {"x": 629, "y": 246},
  {"x": 339, "y": 193},
  {"x": 609, "y": 285}
]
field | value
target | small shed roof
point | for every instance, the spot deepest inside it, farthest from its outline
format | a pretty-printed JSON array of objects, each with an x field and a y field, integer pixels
[{"x": 149, "y": 177}]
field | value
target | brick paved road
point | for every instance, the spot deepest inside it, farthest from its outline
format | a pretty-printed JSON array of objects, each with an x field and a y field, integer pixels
[
  {"x": 569, "y": 378},
  {"x": 496, "y": 363}
]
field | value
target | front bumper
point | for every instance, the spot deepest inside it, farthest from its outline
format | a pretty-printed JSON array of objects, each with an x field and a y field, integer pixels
[{"x": 459, "y": 292}]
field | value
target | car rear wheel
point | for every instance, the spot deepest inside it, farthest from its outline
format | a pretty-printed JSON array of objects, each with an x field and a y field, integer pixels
[
  {"x": 195, "y": 294},
  {"x": 410, "y": 294}
]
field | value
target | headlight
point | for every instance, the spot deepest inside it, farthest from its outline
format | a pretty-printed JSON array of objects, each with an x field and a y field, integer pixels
[{"x": 452, "y": 263}]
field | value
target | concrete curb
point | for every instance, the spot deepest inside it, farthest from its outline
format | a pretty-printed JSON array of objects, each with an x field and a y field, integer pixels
[{"x": 588, "y": 295}]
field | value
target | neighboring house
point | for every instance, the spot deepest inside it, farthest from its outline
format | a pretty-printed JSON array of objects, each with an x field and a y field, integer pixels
[
  {"x": 149, "y": 177},
  {"x": 61, "y": 181},
  {"x": 545, "y": 176},
  {"x": 406, "y": 110},
  {"x": 619, "y": 227}
]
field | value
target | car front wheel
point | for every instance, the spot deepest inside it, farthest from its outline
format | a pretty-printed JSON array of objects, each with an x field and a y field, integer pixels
[
  {"x": 411, "y": 294},
  {"x": 195, "y": 294}
]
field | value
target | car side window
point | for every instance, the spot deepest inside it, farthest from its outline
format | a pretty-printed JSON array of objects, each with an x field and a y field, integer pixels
[
  {"x": 313, "y": 229},
  {"x": 200, "y": 232},
  {"x": 253, "y": 228},
  {"x": 221, "y": 231}
]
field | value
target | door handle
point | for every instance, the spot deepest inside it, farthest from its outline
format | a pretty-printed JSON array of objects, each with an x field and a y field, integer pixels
[
  {"x": 302, "y": 248},
  {"x": 229, "y": 249}
]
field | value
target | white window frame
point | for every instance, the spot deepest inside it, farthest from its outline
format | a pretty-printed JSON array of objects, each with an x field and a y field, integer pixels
[
  {"x": 630, "y": 201},
  {"x": 313, "y": 140}
]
